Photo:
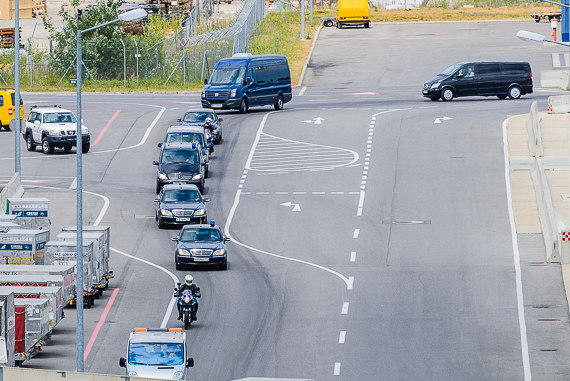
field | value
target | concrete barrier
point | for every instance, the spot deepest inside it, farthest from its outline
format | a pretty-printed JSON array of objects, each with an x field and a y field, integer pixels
[
  {"x": 17, "y": 374},
  {"x": 558, "y": 104},
  {"x": 535, "y": 146},
  {"x": 548, "y": 222},
  {"x": 12, "y": 189},
  {"x": 555, "y": 78},
  {"x": 565, "y": 238}
]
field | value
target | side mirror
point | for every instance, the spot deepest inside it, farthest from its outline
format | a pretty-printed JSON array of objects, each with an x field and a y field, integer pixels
[
  {"x": 249, "y": 81},
  {"x": 190, "y": 363},
  {"x": 123, "y": 362},
  {"x": 154, "y": 162},
  {"x": 180, "y": 120},
  {"x": 227, "y": 239},
  {"x": 205, "y": 81},
  {"x": 159, "y": 145},
  {"x": 206, "y": 199},
  {"x": 176, "y": 240},
  {"x": 157, "y": 200}
]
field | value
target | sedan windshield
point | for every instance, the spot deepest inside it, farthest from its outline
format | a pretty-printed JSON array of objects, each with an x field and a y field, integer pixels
[
  {"x": 227, "y": 76},
  {"x": 156, "y": 353},
  {"x": 195, "y": 235},
  {"x": 198, "y": 116},
  {"x": 452, "y": 69},
  {"x": 180, "y": 156},
  {"x": 181, "y": 195},
  {"x": 59, "y": 117},
  {"x": 186, "y": 137}
]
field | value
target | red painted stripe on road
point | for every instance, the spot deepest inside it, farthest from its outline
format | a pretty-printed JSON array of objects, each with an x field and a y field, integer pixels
[
  {"x": 100, "y": 324},
  {"x": 105, "y": 128}
]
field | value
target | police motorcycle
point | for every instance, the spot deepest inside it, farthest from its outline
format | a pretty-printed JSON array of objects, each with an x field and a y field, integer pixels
[
  {"x": 188, "y": 303},
  {"x": 209, "y": 132}
]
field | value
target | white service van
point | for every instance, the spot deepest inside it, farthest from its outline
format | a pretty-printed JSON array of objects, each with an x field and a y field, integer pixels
[{"x": 157, "y": 353}]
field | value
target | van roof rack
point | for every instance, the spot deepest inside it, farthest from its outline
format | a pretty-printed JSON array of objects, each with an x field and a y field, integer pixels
[{"x": 242, "y": 55}]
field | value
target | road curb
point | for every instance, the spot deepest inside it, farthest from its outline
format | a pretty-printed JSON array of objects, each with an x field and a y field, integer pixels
[{"x": 309, "y": 57}]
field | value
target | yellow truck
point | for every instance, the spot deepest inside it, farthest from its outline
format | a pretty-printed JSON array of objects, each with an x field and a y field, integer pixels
[
  {"x": 353, "y": 12},
  {"x": 7, "y": 109}
]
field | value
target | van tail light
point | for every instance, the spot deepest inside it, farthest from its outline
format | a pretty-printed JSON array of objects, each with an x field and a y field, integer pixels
[
  {"x": 531, "y": 75},
  {"x": 10, "y": 111}
]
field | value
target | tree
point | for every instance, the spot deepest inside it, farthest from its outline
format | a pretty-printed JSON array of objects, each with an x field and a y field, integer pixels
[{"x": 102, "y": 48}]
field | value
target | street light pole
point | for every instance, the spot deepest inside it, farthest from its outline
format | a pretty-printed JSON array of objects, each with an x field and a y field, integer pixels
[
  {"x": 133, "y": 15},
  {"x": 303, "y": 20},
  {"x": 17, "y": 154}
]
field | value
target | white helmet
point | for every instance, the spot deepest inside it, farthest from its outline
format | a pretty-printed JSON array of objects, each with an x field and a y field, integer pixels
[
  {"x": 208, "y": 121},
  {"x": 188, "y": 279}
]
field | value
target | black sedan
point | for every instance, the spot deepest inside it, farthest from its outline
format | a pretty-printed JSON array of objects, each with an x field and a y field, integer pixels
[
  {"x": 201, "y": 245},
  {"x": 179, "y": 204},
  {"x": 197, "y": 117}
]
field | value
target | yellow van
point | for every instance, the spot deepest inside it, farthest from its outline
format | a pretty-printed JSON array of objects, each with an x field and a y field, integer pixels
[
  {"x": 7, "y": 109},
  {"x": 353, "y": 12}
]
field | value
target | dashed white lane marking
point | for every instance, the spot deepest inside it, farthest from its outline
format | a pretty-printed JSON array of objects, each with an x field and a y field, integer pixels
[
  {"x": 303, "y": 89},
  {"x": 350, "y": 283},
  {"x": 344, "y": 310},
  {"x": 353, "y": 256},
  {"x": 73, "y": 184},
  {"x": 356, "y": 233},
  {"x": 342, "y": 337},
  {"x": 336, "y": 371}
]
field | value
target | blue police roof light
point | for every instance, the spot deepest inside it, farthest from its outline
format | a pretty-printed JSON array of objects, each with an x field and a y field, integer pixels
[
  {"x": 212, "y": 223},
  {"x": 194, "y": 145}
]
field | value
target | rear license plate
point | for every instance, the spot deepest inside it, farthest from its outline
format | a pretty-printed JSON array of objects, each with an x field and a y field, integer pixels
[
  {"x": 216, "y": 105},
  {"x": 201, "y": 259},
  {"x": 183, "y": 219}
]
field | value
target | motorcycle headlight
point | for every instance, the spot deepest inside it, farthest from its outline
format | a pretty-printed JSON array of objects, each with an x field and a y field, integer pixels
[
  {"x": 203, "y": 94},
  {"x": 132, "y": 374},
  {"x": 435, "y": 85},
  {"x": 197, "y": 177},
  {"x": 184, "y": 252},
  {"x": 200, "y": 212},
  {"x": 165, "y": 212},
  {"x": 186, "y": 299},
  {"x": 233, "y": 93},
  {"x": 220, "y": 252},
  {"x": 178, "y": 375},
  {"x": 162, "y": 176}
]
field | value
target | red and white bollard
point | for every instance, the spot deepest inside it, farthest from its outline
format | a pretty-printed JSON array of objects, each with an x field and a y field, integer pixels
[{"x": 554, "y": 24}]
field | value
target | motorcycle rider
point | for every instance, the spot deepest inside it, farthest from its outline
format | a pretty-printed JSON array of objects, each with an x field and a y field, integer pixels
[
  {"x": 195, "y": 290},
  {"x": 210, "y": 126}
]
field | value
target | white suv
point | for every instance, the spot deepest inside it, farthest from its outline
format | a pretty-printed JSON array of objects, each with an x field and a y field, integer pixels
[{"x": 53, "y": 127}]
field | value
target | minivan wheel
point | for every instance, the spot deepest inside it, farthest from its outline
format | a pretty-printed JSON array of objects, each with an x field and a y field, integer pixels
[
  {"x": 446, "y": 94},
  {"x": 279, "y": 104},
  {"x": 515, "y": 92},
  {"x": 243, "y": 106}
]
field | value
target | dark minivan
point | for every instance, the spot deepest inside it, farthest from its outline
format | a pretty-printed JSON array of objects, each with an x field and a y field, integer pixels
[
  {"x": 245, "y": 80},
  {"x": 500, "y": 79}
]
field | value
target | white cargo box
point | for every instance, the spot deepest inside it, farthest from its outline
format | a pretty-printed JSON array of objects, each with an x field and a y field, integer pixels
[
  {"x": 43, "y": 280},
  {"x": 53, "y": 294},
  {"x": 36, "y": 318},
  {"x": 7, "y": 329},
  {"x": 23, "y": 246},
  {"x": 7, "y": 225},
  {"x": 65, "y": 253},
  {"x": 31, "y": 213},
  {"x": 106, "y": 230},
  {"x": 98, "y": 251},
  {"x": 8, "y": 218}
]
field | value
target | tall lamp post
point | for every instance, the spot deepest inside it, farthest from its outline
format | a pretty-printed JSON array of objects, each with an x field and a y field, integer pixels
[
  {"x": 17, "y": 153},
  {"x": 133, "y": 15}
]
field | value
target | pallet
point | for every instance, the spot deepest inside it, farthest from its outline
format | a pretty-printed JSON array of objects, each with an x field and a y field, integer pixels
[
  {"x": 39, "y": 8},
  {"x": 7, "y": 36}
]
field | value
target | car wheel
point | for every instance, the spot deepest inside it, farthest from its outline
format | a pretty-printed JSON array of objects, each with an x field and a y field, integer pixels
[
  {"x": 7, "y": 127},
  {"x": 67, "y": 148},
  {"x": 515, "y": 92},
  {"x": 367, "y": 25},
  {"x": 178, "y": 266},
  {"x": 328, "y": 23},
  {"x": 279, "y": 104},
  {"x": 338, "y": 25},
  {"x": 224, "y": 265},
  {"x": 30, "y": 146},
  {"x": 206, "y": 172},
  {"x": 160, "y": 223},
  {"x": 447, "y": 94},
  {"x": 501, "y": 96},
  {"x": 158, "y": 187},
  {"x": 243, "y": 106},
  {"x": 47, "y": 148},
  {"x": 434, "y": 98},
  {"x": 85, "y": 147},
  {"x": 537, "y": 18},
  {"x": 201, "y": 188}
]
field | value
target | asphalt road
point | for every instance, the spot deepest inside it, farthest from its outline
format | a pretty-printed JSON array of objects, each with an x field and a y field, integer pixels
[{"x": 369, "y": 241}]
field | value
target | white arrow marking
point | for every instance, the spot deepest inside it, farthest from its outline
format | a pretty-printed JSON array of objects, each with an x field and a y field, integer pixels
[
  {"x": 296, "y": 207},
  {"x": 317, "y": 120},
  {"x": 438, "y": 120}
]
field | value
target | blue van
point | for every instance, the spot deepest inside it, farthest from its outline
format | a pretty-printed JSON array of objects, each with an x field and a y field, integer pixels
[{"x": 245, "y": 80}]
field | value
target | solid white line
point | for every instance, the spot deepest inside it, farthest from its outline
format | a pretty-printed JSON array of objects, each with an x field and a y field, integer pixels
[
  {"x": 73, "y": 183},
  {"x": 356, "y": 233},
  {"x": 336, "y": 371},
  {"x": 342, "y": 337},
  {"x": 516, "y": 260},
  {"x": 353, "y": 256},
  {"x": 344, "y": 310},
  {"x": 303, "y": 89}
]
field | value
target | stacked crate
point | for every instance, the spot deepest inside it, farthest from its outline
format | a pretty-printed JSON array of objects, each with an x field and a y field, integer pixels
[
  {"x": 8, "y": 9},
  {"x": 7, "y": 37},
  {"x": 39, "y": 8}
]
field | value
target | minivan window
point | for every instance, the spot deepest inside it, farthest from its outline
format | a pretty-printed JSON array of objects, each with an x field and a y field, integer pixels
[
  {"x": 14, "y": 99},
  {"x": 1, "y": 100},
  {"x": 452, "y": 69},
  {"x": 513, "y": 68},
  {"x": 180, "y": 156},
  {"x": 488, "y": 70},
  {"x": 227, "y": 76}
]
